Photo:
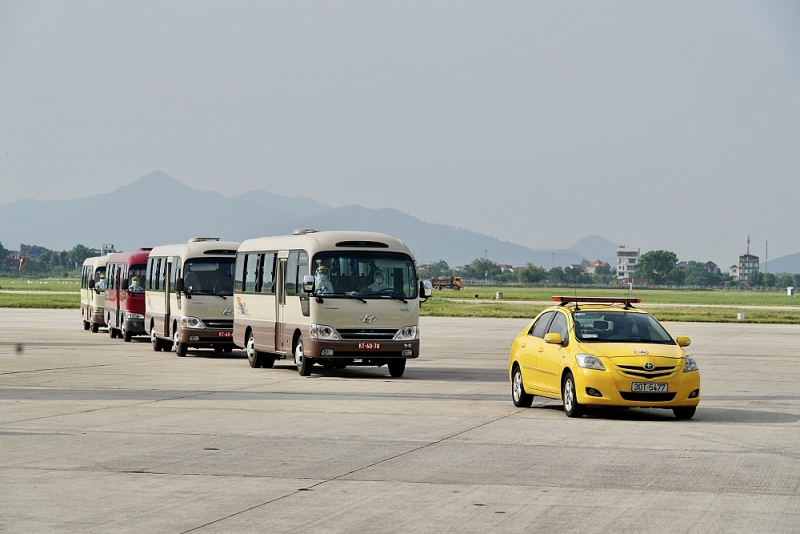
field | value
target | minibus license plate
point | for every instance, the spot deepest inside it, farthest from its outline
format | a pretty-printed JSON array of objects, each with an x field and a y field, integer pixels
[
  {"x": 649, "y": 387},
  {"x": 226, "y": 334},
  {"x": 369, "y": 346}
]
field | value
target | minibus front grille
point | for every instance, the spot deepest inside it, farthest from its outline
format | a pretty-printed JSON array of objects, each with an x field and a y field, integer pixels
[
  {"x": 218, "y": 323},
  {"x": 367, "y": 333}
]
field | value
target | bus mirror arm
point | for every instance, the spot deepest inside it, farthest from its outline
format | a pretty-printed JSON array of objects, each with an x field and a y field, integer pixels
[
  {"x": 124, "y": 284},
  {"x": 179, "y": 285},
  {"x": 91, "y": 283}
]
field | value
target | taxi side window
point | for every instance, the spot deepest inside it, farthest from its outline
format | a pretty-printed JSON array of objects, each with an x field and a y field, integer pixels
[
  {"x": 559, "y": 326},
  {"x": 540, "y": 326}
]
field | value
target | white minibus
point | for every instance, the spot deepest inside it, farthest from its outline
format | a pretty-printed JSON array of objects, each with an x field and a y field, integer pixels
[
  {"x": 330, "y": 298},
  {"x": 93, "y": 296},
  {"x": 189, "y": 295}
]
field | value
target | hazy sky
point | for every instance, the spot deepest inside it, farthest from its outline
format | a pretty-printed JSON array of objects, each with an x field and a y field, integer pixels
[{"x": 661, "y": 125}]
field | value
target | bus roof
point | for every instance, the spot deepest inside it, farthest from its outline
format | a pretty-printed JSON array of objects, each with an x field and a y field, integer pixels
[
  {"x": 130, "y": 258},
  {"x": 312, "y": 242},
  {"x": 193, "y": 248},
  {"x": 96, "y": 261}
]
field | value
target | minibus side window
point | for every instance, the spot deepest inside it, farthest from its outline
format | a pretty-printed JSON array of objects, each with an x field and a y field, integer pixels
[
  {"x": 173, "y": 275},
  {"x": 162, "y": 275},
  {"x": 291, "y": 273},
  {"x": 149, "y": 281},
  {"x": 302, "y": 269},
  {"x": 251, "y": 273},
  {"x": 238, "y": 281},
  {"x": 268, "y": 273}
]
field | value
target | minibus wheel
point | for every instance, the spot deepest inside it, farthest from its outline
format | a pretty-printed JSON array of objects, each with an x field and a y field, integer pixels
[
  {"x": 126, "y": 336},
  {"x": 253, "y": 356},
  {"x": 180, "y": 348},
  {"x": 154, "y": 339},
  {"x": 95, "y": 328},
  {"x": 303, "y": 362},
  {"x": 397, "y": 367},
  {"x": 86, "y": 325}
]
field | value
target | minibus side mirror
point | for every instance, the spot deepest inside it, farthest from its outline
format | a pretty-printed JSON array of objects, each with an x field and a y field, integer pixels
[
  {"x": 425, "y": 289},
  {"x": 124, "y": 285},
  {"x": 91, "y": 283},
  {"x": 179, "y": 285},
  {"x": 308, "y": 283}
]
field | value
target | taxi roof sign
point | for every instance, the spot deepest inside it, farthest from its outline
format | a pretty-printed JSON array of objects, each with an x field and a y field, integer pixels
[{"x": 627, "y": 301}]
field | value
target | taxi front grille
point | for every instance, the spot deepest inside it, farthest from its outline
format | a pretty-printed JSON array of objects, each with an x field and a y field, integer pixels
[
  {"x": 367, "y": 333},
  {"x": 647, "y": 397},
  {"x": 641, "y": 372}
]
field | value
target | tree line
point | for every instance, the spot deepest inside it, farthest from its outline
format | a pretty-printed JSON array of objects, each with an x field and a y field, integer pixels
[{"x": 44, "y": 261}]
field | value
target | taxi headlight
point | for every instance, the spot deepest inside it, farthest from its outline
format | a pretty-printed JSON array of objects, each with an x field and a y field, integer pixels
[
  {"x": 192, "y": 322},
  {"x": 407, "y": 333},
  {"x": 589, "y": 361},
  {"x": 320, "y": 331},
  {"x": 691, "y": 365}
]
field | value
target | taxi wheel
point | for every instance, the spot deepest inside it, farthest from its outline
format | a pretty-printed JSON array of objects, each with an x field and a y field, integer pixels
[
  {"x": 397, "y": 368},
  {"x": 180, "y": 348},
  {"x": 568, "y": 394},
  {"x": 303, "y": 362},
  {"x": 518, "y": 395},
  {"x": 684, "y": 412}
]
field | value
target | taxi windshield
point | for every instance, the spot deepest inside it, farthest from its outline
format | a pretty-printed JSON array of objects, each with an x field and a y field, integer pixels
[
  {"x": 364, "y": 274},
  {"x": 618, "y": 326}
]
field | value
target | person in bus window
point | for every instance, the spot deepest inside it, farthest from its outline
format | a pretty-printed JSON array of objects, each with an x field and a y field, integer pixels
[
  {"x": 100, "y": 285},
  {"x": 135, "y": 285},
  {"x": 322, "y": 283},
  {"x": 379, "y": 282}
]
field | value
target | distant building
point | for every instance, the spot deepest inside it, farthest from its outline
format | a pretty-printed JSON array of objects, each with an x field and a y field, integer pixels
[
  {"x": 712, "y": 267},
  {"x": 682, "y": 266},
  {"x": 595, "y": 264},
  {"x": 106, "y": 249},
  {"x": 505, "y": 267},
  {"x": 577, "y": 266},
  {"x": 747, "y": 265},
  {"x": 627, "y": 258},
  {"x": 734, "y": 272}
]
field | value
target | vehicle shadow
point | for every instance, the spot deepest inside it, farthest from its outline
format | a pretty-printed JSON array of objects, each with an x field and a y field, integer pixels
[
  {"x": 438, "y": 374},
  {"x": 705, "y": 414}
]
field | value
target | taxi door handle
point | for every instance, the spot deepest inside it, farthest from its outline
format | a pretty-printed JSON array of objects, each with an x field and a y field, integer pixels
[
  {"x": 522, "y": 345},
  {"x": 541, "y": 349}
]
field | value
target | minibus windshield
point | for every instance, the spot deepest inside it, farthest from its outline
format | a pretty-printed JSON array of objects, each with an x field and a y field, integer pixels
[
  {"x": 136, "y": 276},
  {"x": 364, "y": 274},
  {"x": 210, "y": 276}
]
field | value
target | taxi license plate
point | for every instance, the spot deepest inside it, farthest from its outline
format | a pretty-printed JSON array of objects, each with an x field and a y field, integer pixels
[
  {"x": 225, "y": 334},
  {"x": 369, "y": 346},
  {"x": 649, "y": 387}
]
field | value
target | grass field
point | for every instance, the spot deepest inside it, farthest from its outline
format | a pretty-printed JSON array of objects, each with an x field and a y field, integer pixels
[
  {"x": 40, "y": 284},
  {"x": 21, "y": 300},
  {"x": 649, "y": 296}
]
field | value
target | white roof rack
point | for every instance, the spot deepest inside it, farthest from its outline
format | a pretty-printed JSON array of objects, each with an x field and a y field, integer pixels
[
  {"x": 199, "y": 239},
  {"x": 303, "y": 231}
]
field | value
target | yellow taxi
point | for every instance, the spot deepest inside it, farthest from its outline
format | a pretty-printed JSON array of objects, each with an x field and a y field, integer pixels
[{"x": 596, "y": 351}]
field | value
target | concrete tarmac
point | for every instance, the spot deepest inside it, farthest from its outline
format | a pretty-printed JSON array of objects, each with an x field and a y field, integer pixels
[{"x": 98, "y": 435}]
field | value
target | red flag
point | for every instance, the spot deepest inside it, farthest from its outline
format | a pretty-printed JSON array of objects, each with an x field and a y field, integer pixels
[{"x": 22, "y": 261}]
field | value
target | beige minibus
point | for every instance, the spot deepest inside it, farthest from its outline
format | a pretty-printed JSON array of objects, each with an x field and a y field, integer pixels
[
  {"x": 93, "y": 296},
  {"x": 189, "y": 295},
  {"x": 330, "y": 298}
]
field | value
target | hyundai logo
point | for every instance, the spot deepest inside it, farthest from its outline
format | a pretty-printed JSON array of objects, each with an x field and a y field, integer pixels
[
  {"x": 369, "y": 319},
  {"x": 649, "y": 366},
  {"x": 227, "y": 311}
]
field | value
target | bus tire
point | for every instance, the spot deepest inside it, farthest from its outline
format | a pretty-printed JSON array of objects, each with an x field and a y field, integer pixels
[
  {"x": 397, "y": 368},
  {"x": 94, "y": 328},
  {"x": 126, "y": 336},
  {"x": 86, "y": 325},
  {"x": 154, "y": 340},
  {"x": 180, "y": 348},
  {"x": 254, "y": 357},
  {"x": 303, "y": 362}
]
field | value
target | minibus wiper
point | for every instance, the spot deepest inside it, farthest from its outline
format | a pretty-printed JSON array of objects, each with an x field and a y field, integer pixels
[
  {"x": 208, "y": 292},
  {"x": 401, "y": 299}
]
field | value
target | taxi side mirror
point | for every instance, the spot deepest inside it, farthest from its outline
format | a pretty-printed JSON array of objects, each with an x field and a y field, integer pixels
[
  {"x": 308, "y": 283},
  {"x": 553, "y": 338},
  {"x": 683, "y": 341}
]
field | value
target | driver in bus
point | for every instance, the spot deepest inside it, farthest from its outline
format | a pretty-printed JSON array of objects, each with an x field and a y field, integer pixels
[
  {"x": 323, "y": 285},
  {"x": 135, "y": 285},
  {"x": 100, "y": 285},
  {"x": 379, "y": 282}
]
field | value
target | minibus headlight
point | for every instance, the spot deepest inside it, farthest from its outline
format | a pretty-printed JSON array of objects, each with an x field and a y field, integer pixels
[
  {"x": 192, "y": 322},
  {"x": 407, "y": 333},
  {"x": 691, "y": 365},
  {"x": 320, "y": 331},
  {"x": 135, "y": 316},
  {"x": 589, "y": 361}
]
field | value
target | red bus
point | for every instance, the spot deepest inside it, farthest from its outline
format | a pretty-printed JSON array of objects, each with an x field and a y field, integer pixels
[{"x": 125, "y": 277}]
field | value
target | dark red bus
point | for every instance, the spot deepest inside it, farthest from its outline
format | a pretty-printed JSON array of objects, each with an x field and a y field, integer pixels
[{"x": 125, "y": 277}]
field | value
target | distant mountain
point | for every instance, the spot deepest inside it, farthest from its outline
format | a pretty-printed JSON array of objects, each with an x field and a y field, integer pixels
[
  {"x": 785, "y": 264},
  {"x": 157, "y": 209}
]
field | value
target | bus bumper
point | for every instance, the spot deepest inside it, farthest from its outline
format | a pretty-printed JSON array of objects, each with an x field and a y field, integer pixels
[
  {"x": 206, "y": 337},
  {"x": 363, "y": 350}
]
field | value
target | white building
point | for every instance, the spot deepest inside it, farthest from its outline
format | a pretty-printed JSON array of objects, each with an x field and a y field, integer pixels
[
  {"x": 106, "y": 249},
  {"x": 626, "y": 261}
]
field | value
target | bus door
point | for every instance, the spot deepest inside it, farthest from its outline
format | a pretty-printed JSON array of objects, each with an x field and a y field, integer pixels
[
  {"x": 165, "y": 278},
  {"x": 280, "y": 303},
  {"x": 117, "y": 293}
]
